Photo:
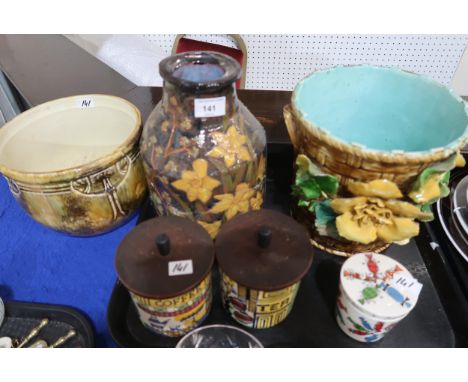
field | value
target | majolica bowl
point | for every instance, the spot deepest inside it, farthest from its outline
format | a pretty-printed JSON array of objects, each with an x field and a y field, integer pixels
[
  {"x": 74, "y": 164},
  {"x": 375, "y": 146}
]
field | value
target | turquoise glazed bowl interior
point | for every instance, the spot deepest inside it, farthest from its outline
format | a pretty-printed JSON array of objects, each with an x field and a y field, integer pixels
[{"x": 382, "y": 109}]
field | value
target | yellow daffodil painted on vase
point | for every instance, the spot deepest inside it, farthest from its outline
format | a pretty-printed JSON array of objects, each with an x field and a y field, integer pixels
[
  {"x": 211, "y": 228},
  {"x": 231, "y": 146},
  {"x": 257, "y": 201},
  {"x": 261, "y": 168},
  {"x": 232, "y": 204},
  {"x": 197, "y": 184}
]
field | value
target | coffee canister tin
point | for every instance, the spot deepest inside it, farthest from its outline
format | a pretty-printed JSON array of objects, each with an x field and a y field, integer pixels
[
  {"x": 375, "y": 293},
  {"x": 166, "y": 263},
  {"x": 262, "y": 256}
]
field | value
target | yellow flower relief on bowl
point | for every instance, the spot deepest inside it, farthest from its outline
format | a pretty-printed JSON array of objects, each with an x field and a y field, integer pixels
[
  {"x": 460, "y": 160},
  {"x": 197, "y": 184},
  {"x": 232, "y": 204},
  {"x": 430, "y": 191},
  {"x": 375, "y": 214},
  {"x": 380, "y": 188},
  {"x": 231, "y": 146}
]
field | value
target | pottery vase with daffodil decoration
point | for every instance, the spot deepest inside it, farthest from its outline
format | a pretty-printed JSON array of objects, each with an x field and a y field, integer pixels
[{"x": 203, "y": 151}]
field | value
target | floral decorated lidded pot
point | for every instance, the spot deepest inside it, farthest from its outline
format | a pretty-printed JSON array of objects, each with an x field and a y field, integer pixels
[
  {"x": 375, "y": 293},
  {"x": 203, "y": 151}
]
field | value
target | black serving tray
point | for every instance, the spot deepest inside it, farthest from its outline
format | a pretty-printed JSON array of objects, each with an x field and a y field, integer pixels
[
  {"x": 311, "y": 323},
  {"x": 447, "y": 268},
  {"x": 22, "y": 317}
]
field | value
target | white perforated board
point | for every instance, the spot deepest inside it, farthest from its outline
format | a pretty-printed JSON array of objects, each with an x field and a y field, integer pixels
[{"x": 280, "y": 61}]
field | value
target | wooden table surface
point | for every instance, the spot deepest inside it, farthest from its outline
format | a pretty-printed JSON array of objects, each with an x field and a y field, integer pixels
[{"x": 46, "y": 67}]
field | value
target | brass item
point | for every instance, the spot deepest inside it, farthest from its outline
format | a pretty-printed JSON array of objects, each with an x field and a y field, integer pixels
[
  {"x": 33, "y": 333},
  {"x": 39, "y": 344},
  {"x": 63, "y": 339}
]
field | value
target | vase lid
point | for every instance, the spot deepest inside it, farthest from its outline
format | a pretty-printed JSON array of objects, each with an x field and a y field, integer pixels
[
  {"x": 379, "y": 285},
  {"x": 164, "y": 257},
  {"x": 264, "y": 250}
]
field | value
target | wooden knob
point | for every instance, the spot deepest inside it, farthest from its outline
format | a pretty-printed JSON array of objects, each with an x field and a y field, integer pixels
[
  {"x": 264, "y": 237},
  {"x": 164, "y": 244}
]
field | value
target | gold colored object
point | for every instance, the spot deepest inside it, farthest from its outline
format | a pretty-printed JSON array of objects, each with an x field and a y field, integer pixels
[
  {"x": 39, "y": 344},
  {"x": 63, "y": 339},
  {"x": 33, "y": 333}
]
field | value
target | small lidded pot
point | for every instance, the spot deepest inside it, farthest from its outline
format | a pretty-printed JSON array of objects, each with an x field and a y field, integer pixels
[
  {"x": 166, "y": 263},
  {"x": 262, "y": 256},
  {"x": 375, "y": 293}
]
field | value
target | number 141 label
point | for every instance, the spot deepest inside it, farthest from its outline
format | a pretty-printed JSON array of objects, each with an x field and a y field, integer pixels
[{"x": 210, "y": 107}]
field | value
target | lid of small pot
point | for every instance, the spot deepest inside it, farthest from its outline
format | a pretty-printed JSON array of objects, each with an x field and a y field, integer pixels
[
  {"x": 379, "y": 285},
  {"x": 264, "y": 250},
  {"x": 164, "y": 257}
]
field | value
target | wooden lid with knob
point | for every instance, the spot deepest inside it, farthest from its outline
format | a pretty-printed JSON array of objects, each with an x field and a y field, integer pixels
[
  {"x": 164, "y": 257},
  {"x": 264, "y": 250}
]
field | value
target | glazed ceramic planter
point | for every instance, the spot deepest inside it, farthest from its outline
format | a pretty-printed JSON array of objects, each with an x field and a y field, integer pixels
[
  {"x": 383, "y": 135},
  {"x": 375, "y": 294},
  {"x": 165, "y": 263},
  {"x": 262, "y": 256},
  {"x": 73, "y": 163},
  {"x": 203, "y": 151}
]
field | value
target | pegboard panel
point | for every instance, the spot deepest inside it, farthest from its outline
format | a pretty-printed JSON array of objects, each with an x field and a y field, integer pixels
[{"x": 280, "y": 61}]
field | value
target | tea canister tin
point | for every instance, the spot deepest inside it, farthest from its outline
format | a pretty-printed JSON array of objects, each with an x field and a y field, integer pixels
[
  {"x": 262, "y": 256},
  {"x": 166, "y": 263},
  {"x": 375, "y": 293}
]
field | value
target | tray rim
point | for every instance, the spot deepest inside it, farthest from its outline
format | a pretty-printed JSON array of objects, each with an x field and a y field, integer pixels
[
  {"x": 87, "y": 332},
  {"x": 272, "y": 148}
]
